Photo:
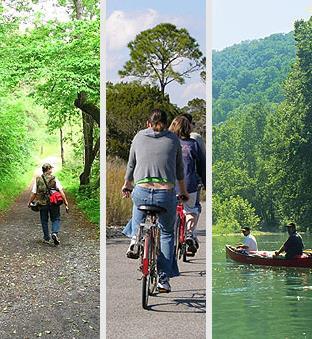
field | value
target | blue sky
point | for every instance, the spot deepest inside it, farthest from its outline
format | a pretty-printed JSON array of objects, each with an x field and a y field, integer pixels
[
  {"x": 236, "y": 20},
  {"x": 127, "y": 18}
]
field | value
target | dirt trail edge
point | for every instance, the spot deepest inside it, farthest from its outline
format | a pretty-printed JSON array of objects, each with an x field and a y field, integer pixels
[{"x": 48, "y": 291}]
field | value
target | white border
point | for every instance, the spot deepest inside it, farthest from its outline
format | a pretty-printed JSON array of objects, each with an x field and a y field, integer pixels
[
  {"x": 103, "y": 171},
  {"x": 209, "y": 169}
]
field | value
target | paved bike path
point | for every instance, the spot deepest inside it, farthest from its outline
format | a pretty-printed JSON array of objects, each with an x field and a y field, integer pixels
[{"x": 179, "y": 314}]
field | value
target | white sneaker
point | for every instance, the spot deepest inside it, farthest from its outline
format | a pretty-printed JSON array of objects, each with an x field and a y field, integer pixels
[
  {"x": 163, "y": 286},
  {"x": 190, "y": 242},
  {"x": 130, "y": 251},
  {"x": 55, "y": 239}
]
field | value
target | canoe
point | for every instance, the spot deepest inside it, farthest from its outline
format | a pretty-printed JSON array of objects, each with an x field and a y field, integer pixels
[{"x": 265, "y": 258}]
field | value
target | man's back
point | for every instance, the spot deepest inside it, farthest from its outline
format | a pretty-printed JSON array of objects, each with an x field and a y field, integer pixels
[{"x": 294, "y": 245}]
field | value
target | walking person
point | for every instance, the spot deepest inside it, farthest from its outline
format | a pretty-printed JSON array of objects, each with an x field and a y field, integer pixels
[
  {"x": 194, "y": 170},
  {"x": 155, "y": 163},
  {"x": 40, "y": 193}
]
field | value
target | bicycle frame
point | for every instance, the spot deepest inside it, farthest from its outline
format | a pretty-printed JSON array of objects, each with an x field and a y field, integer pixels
[
  {"x": 149, "y": 240},
  {"x": 181, "y": 233}
]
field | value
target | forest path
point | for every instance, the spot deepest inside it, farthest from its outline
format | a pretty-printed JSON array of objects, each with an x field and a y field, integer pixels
[{"x": 48, "y": 291}]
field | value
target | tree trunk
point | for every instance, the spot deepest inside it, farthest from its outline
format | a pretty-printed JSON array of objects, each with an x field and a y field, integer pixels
[
  {"x": 162, "y": 89},
  {"x": 62, "y": 146},
  {"x": 90, "y": 114},
  {"x": 87, "y": 107},
  {"x": 78, "y": 9},
  {"x": 90, "y": 151}
]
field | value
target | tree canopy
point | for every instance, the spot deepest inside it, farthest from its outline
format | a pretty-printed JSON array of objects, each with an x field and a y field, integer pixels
[
  {"x": 128, "y": 107},
  {"x": 250, "y": 72},
  {"x": 162, "y": 55},
  {"x": 262, "y": 152}
]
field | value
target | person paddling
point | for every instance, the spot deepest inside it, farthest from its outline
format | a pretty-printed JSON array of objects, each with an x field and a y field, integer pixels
[
  {"x": 293, "y": 246},
  {"x": 250, "y": 242}
]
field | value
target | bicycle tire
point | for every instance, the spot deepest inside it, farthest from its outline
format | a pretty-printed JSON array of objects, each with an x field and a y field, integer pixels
[
  {"x": 145, "y": 292},
  {"x": 153, "y": 263},
  {"x": 177, "y": 237},
  {"x": 184, "y": 253},
  {"x": 146, "y": 275}
]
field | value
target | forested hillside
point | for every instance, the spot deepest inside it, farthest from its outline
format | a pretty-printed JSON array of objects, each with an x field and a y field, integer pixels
[
  {"x": 262, "y": 149},
  {"x": 250, "y": 72}
]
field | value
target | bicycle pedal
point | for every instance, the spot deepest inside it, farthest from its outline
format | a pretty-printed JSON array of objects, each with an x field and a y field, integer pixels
[
  {"x": 162, "y": 290},
  {"x": 190, "y": 254}
]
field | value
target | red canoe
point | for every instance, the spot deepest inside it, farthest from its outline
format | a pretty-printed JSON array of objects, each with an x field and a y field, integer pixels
[{"x": 265, "y": 258}]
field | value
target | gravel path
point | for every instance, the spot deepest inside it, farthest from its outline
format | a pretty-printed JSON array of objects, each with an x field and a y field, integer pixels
[
  {"x": 179, "y": 314},
  {"x": 48, "y": 291}
]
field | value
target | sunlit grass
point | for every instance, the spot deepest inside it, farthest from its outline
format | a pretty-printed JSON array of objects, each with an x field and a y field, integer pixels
[
  {"x": 118, "y": 210},
  {"x": 87, "y": 200}
]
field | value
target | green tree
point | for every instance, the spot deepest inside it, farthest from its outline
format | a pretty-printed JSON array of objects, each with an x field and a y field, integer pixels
[
  {"x": 250, "y": 72},
  {"x": 128, "y": 106},
  {"x": 291, "y": 138},
  {"x": 162, "y": 55},
  {"x": 197, "y": 108},
  {"x": 231, "y": 214}
]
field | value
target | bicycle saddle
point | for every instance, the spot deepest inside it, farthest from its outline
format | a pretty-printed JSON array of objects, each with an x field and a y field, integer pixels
[{"x": 151, "y": 208}]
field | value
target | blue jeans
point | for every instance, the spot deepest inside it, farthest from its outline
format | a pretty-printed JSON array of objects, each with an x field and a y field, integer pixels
[
  {"x": 54, "y": 212},
  {"x": 166, "y": 262}
]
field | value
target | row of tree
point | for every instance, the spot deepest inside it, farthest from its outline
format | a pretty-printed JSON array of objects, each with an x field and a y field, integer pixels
[
  {"x": 58, "y": 65},
  {"x": 262, "y": 151}
]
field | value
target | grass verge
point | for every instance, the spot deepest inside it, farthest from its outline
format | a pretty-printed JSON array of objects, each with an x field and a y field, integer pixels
[
  {"x": 118, "y": 210},
  {"x": 87, "y": 199}
]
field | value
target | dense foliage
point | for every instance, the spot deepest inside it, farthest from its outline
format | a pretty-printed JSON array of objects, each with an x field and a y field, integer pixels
[
  {"x": 128, "y": 106},
  {"x": 250, "y": 72},
  {"x": 56, "y": 65},
  {"x": 262, "y": 151}
]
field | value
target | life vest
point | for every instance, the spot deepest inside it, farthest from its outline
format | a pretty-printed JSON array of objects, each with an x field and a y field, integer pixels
[{"x": 42, "y": 193}]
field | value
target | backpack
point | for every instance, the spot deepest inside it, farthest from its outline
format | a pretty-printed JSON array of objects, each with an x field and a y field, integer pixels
[{"x": 42, "y": 193}]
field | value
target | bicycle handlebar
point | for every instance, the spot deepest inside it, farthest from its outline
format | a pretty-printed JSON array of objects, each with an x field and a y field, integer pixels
[
  {"x": 182, "y": 197},
  {"x": 126, "y": 190}
]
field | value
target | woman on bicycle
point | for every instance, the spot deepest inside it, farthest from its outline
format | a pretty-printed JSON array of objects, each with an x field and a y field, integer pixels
[
  {"x": 155, "y": 164},
  {"x": 194, "y": 172}
]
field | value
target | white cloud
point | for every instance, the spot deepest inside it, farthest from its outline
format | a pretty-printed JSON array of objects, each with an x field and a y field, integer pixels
[
  {"x": 122, "y": 27},
  {"x": 194, "y": 90}
]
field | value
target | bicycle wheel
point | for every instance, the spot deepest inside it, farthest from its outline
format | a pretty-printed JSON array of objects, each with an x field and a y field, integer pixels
[
  {"x": 153, "y": 263},
  {"x": 145, "y": 271},
  {"x": 177, "y": 236},
  {"x": 183, "y": 250}
]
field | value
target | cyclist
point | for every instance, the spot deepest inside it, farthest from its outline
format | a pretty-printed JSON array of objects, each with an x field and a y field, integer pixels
[
  {"x": 194, "y": 167},
  {"x": 155, "y": 163},
  {"x": 201, "y": 143}
]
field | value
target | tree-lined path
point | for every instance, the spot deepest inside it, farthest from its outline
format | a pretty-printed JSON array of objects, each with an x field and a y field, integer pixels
[
  {"x": 179, "y": 314},
  {"x": 48, "y": 291}
]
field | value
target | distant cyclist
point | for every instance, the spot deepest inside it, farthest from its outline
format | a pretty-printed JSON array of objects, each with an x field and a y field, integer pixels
[
  {"x": 194, "y": 168},
  {"x": 155, "y": 164}
]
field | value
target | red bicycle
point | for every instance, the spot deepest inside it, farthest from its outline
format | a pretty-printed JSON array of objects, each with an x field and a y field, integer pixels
[
  {"x": 181, "y": 231},
  {"x": 149, "y": 248}
]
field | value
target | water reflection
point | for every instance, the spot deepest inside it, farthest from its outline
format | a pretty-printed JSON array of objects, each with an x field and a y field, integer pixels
[{"x": 276, "y": 301}]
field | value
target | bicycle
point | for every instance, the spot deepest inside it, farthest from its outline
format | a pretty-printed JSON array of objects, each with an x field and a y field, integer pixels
[
  {"x": 148, "y": 239},
  {"x": 181, "y": 231}
]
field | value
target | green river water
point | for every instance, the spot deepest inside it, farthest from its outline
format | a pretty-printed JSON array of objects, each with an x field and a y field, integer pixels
[{"x": 254, "y": 302}]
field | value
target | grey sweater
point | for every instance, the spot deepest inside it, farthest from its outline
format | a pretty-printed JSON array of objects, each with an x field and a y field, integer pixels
[{"x": 155, "y": 155}]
